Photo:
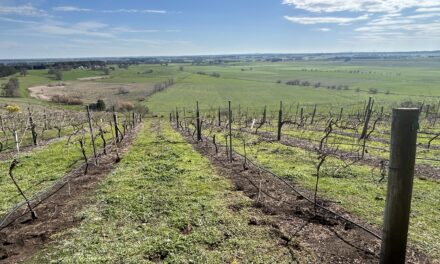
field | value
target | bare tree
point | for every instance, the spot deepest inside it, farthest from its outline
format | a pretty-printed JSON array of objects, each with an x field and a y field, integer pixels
[{"x": 11, "y": 88}]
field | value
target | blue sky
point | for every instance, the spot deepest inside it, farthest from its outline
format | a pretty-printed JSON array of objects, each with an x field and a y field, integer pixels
[{"x": 48, "y": 29}]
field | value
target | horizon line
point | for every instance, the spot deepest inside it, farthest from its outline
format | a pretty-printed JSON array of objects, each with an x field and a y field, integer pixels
[{"x": 219, "y": 54}]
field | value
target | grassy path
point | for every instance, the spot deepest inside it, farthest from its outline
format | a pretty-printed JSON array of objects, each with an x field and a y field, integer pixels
[{"x": 165, "y": 203}]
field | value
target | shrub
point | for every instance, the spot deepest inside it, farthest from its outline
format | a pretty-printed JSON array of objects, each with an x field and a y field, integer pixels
[
  {"x": 11, "y": 88},
  {"x": 63, "y": 99},
  {"x": 373, "y": 91},
  {"x": 141, "y": 109},
  {"x": 13, "y": 108},
  {"x": 124, "y": 106},
  {"x": 293, "y": 82},
  {"x": 123, "y": 90}
]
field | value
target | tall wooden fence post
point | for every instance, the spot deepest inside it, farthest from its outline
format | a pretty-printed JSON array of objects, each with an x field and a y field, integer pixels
[
  {"x": 400, "y": 184},
  {"x": 219, "y": 116},
  {"x": 115, "y": 121},
  {"x": 368, "y": 111},
  {"x": 199, "y": 129},
  {"x": 280, "y": 121},
  {"x": 32, "y": 126},
  {"x": 230, "y": 132},
  {"x": 91, "y": 135},
  {"x": 313, "y": 115},
  {"x": 133, "y": 121},
  {"x": 177, "y": 118}
]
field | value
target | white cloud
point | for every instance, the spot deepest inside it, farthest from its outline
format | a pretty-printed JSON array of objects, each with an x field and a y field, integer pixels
[
  {"x": 324, "y": 20},
  {"x": 24, "y": 10},
  {"x": 142, "y": 11},
  {"x": 428, "y": 9},
  {"x": 373, "y": 6},
  {"x": 424, "y": 16},
  {"x": 324, "y": 29},
  {"x": 133, "y": 30},
  {"x": 387, "y": 21},
  {"x": 420, "y": 29},
  {"x": 84, "y": 28},
  {"x": 71, "y": 9},
  {"x": 137, "y": 30},
  {"x": 17, "y": 21}
]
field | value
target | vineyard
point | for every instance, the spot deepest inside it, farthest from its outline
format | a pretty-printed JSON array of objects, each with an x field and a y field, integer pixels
[
  {"x": 44, "y": 150},
  {"x": 339, "y": 158},
  {"x": 241, "y": 162}
]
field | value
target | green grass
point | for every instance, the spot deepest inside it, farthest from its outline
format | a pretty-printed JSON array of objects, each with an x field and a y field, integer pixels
[
  {"x": 356, "y": 188},
  {"x": 39, "y": 168},
  {"x": 140, "y": 212},
  {"x": 41, "y": 77},
  {"x": 415, "y": 80}
]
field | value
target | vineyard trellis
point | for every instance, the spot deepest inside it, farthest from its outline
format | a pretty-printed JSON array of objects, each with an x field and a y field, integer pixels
[
  {"x": 360, "y": 136},
  {"x": 85, "y": 128}
]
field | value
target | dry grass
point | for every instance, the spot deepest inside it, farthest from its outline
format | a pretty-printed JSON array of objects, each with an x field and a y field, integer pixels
[{"x": 89, "y": 92}]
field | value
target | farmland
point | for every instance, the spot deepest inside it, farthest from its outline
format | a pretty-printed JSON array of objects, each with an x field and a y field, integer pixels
[{"x": 175, "y": 198}]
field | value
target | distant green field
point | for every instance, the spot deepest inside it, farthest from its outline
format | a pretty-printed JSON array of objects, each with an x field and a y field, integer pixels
[{"x": 256, "y": 84}]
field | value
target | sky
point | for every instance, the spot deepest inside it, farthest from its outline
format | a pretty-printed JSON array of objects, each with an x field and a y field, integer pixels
[{"x": 101, "y": 28}]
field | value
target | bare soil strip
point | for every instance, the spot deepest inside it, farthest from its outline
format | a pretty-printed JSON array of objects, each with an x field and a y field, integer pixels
[
  {"x": 41, "y": 92},
  {"x": 57, "y": 211},
  {"x": 93, "y": 78},
  {"x": 328, "y": 238}
]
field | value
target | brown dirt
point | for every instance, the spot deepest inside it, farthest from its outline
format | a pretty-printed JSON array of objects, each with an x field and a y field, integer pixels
[
  {"x": 324, "y": 237},
  {"x": 93, "y": 78},
  {"x": 89, "y": 91},
  {"x": 56, "y": 211},
  {"x": 45, "y": 92}
]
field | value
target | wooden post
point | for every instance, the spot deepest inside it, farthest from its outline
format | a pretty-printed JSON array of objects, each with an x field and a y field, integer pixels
[
  {"x": 133, "y": 119},
  {"x": 280, "y": 121},
  {"x": 340, "y": 113},
  {"x": 177, "y": 118},
  {"x": 199, "y": 129},
  {"x": 313, "y": 115},
  {"x": 427, "y": 110},
  {"x": 230, "y": 132},
  {"x": 45, "y": 120},
  {"x": 32, "y": 126},
  {"x": 115, "y": 120},
  {"x": 219, "y": 117},
  {"x": 368, "y": 111},
  {"x": 297, "y": 109},
  {"x": 400, "y": 184},
  {"x": 91, "y": 135},
  {"x": 264, "y": 114}
]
